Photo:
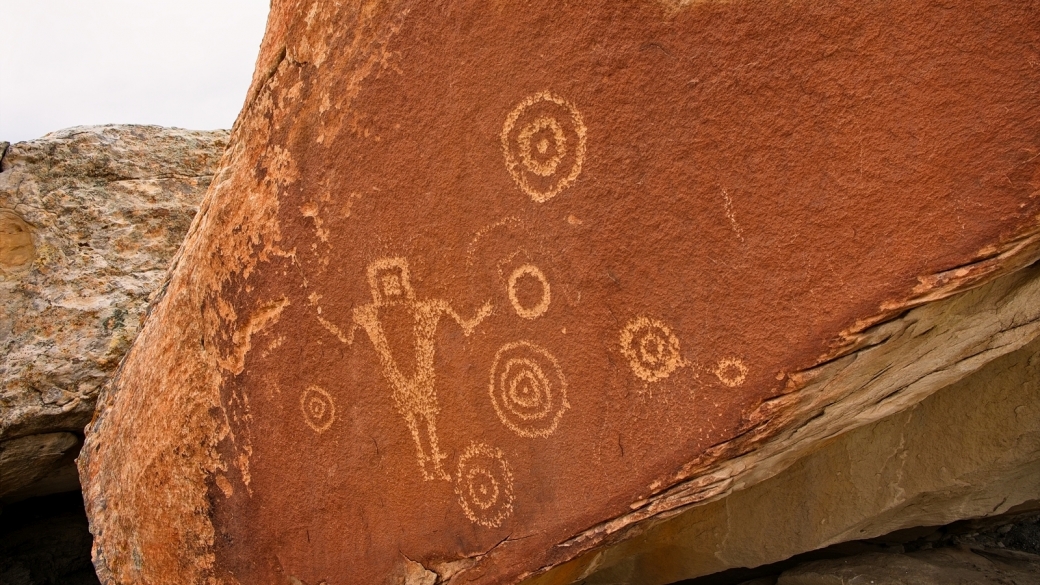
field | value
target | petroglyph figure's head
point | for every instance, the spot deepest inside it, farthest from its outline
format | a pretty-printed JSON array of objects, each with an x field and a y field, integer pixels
[{"x": 390, "y": 282}]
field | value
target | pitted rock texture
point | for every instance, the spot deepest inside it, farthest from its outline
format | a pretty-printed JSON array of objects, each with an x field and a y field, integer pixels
[
  {"x": 483, "y": 288},
  {"x": 89, "y": 220}
]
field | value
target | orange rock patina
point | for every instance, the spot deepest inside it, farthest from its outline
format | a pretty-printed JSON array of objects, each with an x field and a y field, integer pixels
[{"x": 476, "y": 277}]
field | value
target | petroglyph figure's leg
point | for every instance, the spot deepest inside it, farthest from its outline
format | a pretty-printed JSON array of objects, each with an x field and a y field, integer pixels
[
  {"x": 429, "y": 459},
  {"x": 435, "y": 456},
  {"x": 413, "y": 426}
]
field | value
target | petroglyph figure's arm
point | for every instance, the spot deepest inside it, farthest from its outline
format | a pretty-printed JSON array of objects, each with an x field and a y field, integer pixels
[
  {"x": 468, "y": 325},
  {"x": 347, "y": 338}
]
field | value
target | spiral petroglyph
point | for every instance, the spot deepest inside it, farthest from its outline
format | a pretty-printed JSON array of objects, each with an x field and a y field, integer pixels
[
  {"x": 543, "y": 140},
  {"x": 651, "y": 348},
  {"x": 528, "y": 389},
  {"x": 318, "y": 408},
  {"x": 484, "y": 485}
]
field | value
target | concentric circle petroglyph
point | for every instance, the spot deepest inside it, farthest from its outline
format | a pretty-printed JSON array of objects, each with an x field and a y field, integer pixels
[
  {"x": 651, "y": 348},
  {"x": 531, "y": 160},
  {"x": 318, "y": 408},
  {"x": 539, "y": 309},
  {"x": 730, "y": 371},
  {"x": 528, "y": 389},
  {"x": 543, "y": 140},
  {"x": 484, "y": 485}
]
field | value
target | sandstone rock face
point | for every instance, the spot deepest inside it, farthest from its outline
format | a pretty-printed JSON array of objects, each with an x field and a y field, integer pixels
[
  {"x": 480, "y": 289},
  {"x": 89, "y": 220}
]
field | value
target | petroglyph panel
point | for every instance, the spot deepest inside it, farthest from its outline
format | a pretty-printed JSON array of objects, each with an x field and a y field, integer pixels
[
  {"x": 567, "y": 252},
  {"x": 543, "y": 140}
]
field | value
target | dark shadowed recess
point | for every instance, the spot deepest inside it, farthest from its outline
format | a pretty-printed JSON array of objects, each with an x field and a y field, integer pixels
[{"x": 45, "y": 541}]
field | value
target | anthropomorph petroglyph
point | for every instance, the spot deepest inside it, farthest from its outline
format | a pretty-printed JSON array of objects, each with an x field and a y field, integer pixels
[
  {"x": 415, "y": 395},
  {"x": 543, "y": 140}
]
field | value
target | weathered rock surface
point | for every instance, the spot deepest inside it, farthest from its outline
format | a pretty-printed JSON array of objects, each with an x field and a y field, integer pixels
[
  {"x": 480, "y": 289},
  {"x": 89, "y": 220}
]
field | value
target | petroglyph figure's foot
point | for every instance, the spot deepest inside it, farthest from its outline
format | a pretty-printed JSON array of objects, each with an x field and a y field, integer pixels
[
  {"x": 433, "y": 468},
  {"x": 429, "y": 455}
]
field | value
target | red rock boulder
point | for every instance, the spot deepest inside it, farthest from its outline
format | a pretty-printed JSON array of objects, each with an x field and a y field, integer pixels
[{"x": 483, "y": 286}]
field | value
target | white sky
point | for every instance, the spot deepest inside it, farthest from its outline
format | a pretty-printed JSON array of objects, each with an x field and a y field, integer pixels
[{"x": 183, "y": 63}]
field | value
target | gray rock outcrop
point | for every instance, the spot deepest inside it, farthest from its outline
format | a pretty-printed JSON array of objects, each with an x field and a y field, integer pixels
[{"x": 89, "y": 220}]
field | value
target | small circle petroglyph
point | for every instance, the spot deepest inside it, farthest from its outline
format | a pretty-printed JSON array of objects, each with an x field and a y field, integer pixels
[
  {"x": 651, "y": 348},
  {"x": 543, "y": 140},
  {"x": 318, "y": 408},
  {"x": 484, "y": 485},
  {"x": 731, "y": 371},
  {"x": 539, "y": 309},
  {"x": 528, "y": 389}
]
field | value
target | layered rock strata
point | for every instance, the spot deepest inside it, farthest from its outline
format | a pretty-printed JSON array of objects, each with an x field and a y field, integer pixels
[
  {"x": 89, "y": 220},
  {"x": 480, "y": 289}
]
